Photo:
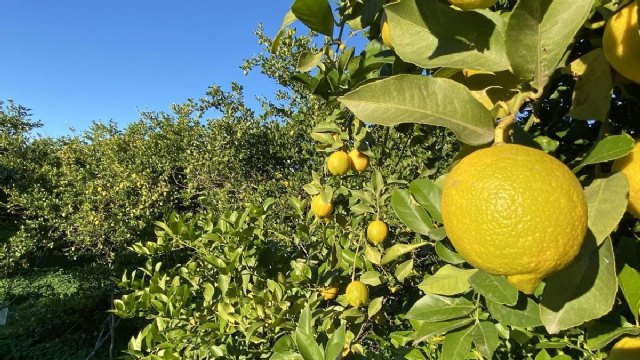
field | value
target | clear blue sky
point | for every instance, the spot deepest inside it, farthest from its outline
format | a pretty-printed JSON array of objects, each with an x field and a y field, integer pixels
[{"x": 75, "y": 61}]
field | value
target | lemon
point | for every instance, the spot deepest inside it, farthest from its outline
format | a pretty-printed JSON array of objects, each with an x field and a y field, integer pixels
[
  {"x": 320, "y": 208},
  {"x": 621, "y": 42},
  {"x": 377, "y": 232},
  {"x": 339, "y": 163},
  {"x": 385, "y": 33},
  {"x": 472, "y": 4},
  {"x": 357, "y": 294},
  {"x": 470, "y": 72},
  {"x": 329, "y": 293},
  {"x": 359, "y": 161},
  {"x": 630, "y": 167},
  {"x": 515, "y": 211},
  {"x": 626, "y": 349}
]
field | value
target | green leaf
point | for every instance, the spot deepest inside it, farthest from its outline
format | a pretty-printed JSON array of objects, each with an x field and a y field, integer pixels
[
  {"x": 485, "y": 337},
  {"x": 403, "y": 270},
  {"x": 448, "y": 255},
  {"x": 308, "y": 347},
  {"x": 424, "y": 100},
  {"x": 602, "y": 334},
  {"x": 539, "y": 33},
  {"x": 410, "y": 213},
  {"x": 583, "y": 291},
  {"x": 610, "y": 148},
  {"x": 315, "y": 14},
  {"x": 525, "y": 313},
  {"x": 374, "y": 306},
  {"x": 607, "y": 203},
  {"x": 208, "y": 293},
  {"x": 629, "y": 275},
  {"x": 457, "y": 344},
  {"x": 428, "y": 194},
  {"x": 305, "y": 323},
  {"x": 432, "y": 34},
  {"x": 372, "y": 254},
  {"x": 289, "y": 18},
  {"x": 494, "y": 287},
  {"x": 335, "y": 344},
  {"x": 429, "y": 329},
  {"x": 398, "y": 250},
  {"x": 437, "y": 308},
  {"x": 448, "y": 280},
  {"x": 371, "y": 278},
  {"x": 308, "y": 61},
  {"x": 592, "y": 92}
]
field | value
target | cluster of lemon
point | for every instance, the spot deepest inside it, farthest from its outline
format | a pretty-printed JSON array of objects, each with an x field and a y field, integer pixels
[{"x": 339, "y": 163}]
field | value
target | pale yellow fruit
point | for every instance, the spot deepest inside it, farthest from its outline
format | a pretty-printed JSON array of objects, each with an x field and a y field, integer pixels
[
  {"x": 320, "y": 208},
  {"x": 621, "y": 42},
  {"x": 385, "y": 33},
  {"x": 359, "y": 160},
  {"x": 626, "y": 349},
  {"x": 472, "y": 4},
  {"x": 470, "y": 72},
  {"x": 629, "y": 165},
  {"x": 329, "y": 293},
  {"x": 357, "y": 294},
  {"x": 339, "y": 163},
  {"x": 515, "y": 211},
  {"x": 377, "y": 232}
]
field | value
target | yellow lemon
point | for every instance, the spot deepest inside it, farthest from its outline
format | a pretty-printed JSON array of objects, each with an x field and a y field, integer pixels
[
  {"x": 470, "y": 72},
  {"x": 339, "y": 163},
  {"x": 626, "y": 349},
  {"x": 515, "y": 211},
  {"x": 320, "y": 208},
  {"x": 377, "y": 232},
  {"x": 472, "y": 4},
  {"x": 329, "y": 293},
  {"x": 630, "y": 167},
  {"x": 359, "y": 161},
  {"x": 357, "y": 294},
  {"x": 621, "y": 42},
  {"x": 385, "y": 33}
]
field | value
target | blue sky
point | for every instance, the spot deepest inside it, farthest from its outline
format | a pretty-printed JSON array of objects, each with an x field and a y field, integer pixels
[{"x": 75, "y": 61}]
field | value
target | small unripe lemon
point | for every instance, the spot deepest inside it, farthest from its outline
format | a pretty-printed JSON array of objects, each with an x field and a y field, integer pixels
[
  {"x": 377, "y": 232},
  {"x": 515, "y": 211},
  {"x": 385, "y": 33},
  {"x": 357, "y": 294},
  {"x": 329, "y": 293},
  {"x": 342, "y": 47},
  {"x": 629, "y": 165},
  {"x": 473, "y": 4},
  {"x": 320, "y": 208},
  {"x": 621, "y": 42},
  {"x": 339, "y": 163},
  {"x": 626, "y": 349},
  {"x": 359, "y": 160}
]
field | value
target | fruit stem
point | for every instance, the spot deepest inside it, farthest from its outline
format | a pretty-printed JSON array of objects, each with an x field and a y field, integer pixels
[
  {"x": 510, "y": 119},
  {"x": 355, "y": 258}
]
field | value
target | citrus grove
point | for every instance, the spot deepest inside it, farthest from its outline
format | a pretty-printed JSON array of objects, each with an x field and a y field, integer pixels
[{"x": 446, "y": 180}]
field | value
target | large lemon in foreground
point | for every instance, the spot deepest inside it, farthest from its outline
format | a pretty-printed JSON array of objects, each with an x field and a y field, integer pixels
[
  {"x": 621, "y": 42},
  {"x": 472, "y": 4},
  {"x": 630, "y": 167},
  {"x": 515, "y": 211},
  {"x": 626, "y": 349}
]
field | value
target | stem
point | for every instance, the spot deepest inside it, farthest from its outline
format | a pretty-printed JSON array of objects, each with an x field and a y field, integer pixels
[
  {"x": 510, "y": 119},
  {"x": 355, "y": 258}
]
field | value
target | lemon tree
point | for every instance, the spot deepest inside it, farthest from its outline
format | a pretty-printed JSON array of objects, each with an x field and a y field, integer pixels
[{"x": 467, "y": 199}]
